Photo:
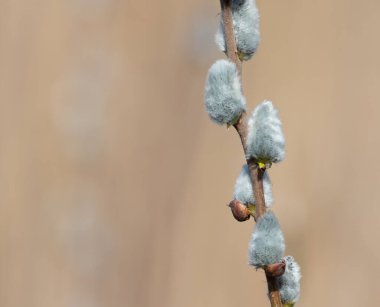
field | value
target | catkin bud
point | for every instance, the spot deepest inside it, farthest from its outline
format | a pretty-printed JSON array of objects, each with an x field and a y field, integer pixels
[
  {"x": 246, "y": 23},
  {"x": 267, "y": 242},
  {"x": 224, "y": 100},
  {"x": 243, "y": 188},
  {"x": 265, "y": 140}
]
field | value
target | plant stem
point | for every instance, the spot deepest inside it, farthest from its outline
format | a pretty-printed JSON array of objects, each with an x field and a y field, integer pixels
[{"x": 241, "y": 127}]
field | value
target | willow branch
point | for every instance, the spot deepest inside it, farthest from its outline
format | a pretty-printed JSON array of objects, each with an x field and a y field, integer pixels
[{"x": 241, "y": 127}]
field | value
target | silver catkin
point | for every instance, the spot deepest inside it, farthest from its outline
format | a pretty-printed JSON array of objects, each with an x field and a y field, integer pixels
[
  {"x": 246, "y": 23},
  {"x": 265, "y": 140},
  {"x": 224, "y": 100},
  {"x": 243, "y": 191},
  {"x": 267, "y": 242},
  {"x": 289, "y": 282}
]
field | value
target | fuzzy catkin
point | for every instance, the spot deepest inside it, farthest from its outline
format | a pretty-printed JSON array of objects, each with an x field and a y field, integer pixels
[
  {"x": 243, "y": 191},
  {"x": 267, "y": 242},
  {"x": 289, "y": 282},
  {"x": 224, "y": 100},
  {"x": 246, "y": 23},
  {"x": 265, "y": 140}
]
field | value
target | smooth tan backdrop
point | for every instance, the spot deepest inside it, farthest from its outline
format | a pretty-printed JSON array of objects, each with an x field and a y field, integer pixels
[{"x": 114, "y": 183}]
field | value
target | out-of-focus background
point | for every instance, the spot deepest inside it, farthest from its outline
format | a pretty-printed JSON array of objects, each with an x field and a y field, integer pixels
[{"x": 114, "y": 183}]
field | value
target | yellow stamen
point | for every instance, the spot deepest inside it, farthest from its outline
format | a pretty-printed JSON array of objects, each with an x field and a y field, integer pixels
[
  {"x": 261, "y": 165},
  {"x": 252, "y": 209}
]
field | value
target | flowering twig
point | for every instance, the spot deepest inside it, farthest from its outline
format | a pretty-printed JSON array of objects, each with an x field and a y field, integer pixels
[
  {"x": 242, "y": 129},
  {"x": 263, "y": 143}
]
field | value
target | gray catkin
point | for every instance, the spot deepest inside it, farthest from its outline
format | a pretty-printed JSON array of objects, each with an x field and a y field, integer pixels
[
  {"x": 246, "y": 22},
  {"x": 265, "y": 139},
  {"x": 224, "y": 100},
  {"x": 267, "y": 242},
  {"x": 243, "y": 191},
  {"x": 289, "y": 282}
]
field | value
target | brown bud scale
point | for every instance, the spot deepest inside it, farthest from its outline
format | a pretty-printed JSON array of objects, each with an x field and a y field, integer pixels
[
  {"x": 239, "y": 211},
  {"x": 275, "y": 269}
]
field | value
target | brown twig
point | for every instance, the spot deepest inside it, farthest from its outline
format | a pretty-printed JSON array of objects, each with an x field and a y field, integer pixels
[{"x": 241, "y": 127}]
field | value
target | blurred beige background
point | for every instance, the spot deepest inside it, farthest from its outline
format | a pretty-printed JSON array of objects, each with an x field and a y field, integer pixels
[{"x": 113, "y": 182}]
